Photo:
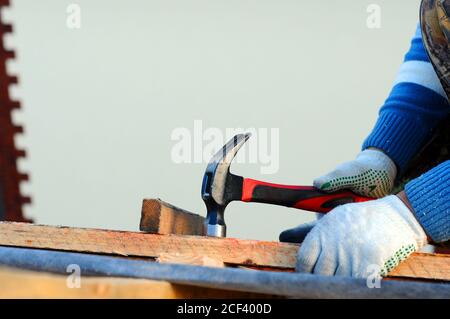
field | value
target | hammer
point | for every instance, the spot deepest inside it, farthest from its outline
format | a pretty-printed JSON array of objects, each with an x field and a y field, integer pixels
[{"x": 220, "y": 187}]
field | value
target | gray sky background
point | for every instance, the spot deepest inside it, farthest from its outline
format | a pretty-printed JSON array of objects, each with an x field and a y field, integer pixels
[{"x": 100, "y": 103}]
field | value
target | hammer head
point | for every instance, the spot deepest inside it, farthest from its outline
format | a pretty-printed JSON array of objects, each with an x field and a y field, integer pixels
[{"x": 220, "y": 187}]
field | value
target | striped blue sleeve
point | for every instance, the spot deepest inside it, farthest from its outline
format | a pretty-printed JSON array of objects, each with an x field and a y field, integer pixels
[
  {"x": 429, "y": 195},
  {"x": 416, "y": 104}
]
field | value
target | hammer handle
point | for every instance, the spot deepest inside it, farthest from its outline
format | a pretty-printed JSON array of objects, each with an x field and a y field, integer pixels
[{"x": 301, "y": 197}]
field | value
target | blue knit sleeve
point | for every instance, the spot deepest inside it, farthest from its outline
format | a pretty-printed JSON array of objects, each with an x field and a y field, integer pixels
[
  {"x": 416, "y": 104},
  {"x": 429, "y": 195}
]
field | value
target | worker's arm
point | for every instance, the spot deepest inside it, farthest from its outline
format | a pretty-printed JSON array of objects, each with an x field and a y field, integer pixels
[{"x": 415, "y": 106}]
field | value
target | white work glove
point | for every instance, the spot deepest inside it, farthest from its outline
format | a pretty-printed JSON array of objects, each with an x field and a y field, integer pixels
[
  {"x": 371, "y": 174},
  {"x": 354, "y": 238}
]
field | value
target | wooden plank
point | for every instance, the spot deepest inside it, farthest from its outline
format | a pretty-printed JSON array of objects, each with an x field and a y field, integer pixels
[
  {"x": 30, "y": 284},
  {"x": 160, "y": 217},
  {"x": 228, "y": 250}
]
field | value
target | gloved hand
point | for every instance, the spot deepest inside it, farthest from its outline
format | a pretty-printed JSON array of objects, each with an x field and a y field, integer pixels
[
  {"x": 371, "y": 174},
  {"x": 352, "y": 237}
]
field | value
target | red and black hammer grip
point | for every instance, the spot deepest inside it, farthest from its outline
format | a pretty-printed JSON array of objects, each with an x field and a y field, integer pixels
[{"x": 301, "y": 197}]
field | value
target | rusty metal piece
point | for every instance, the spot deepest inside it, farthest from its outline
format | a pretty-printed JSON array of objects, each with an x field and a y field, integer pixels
[{"x": 11, "y": 200}]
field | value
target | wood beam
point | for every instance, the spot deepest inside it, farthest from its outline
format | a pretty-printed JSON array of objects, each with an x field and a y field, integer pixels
[
  {"x": 229, "y": 250},
  {"x": 159, "y": 217}
]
